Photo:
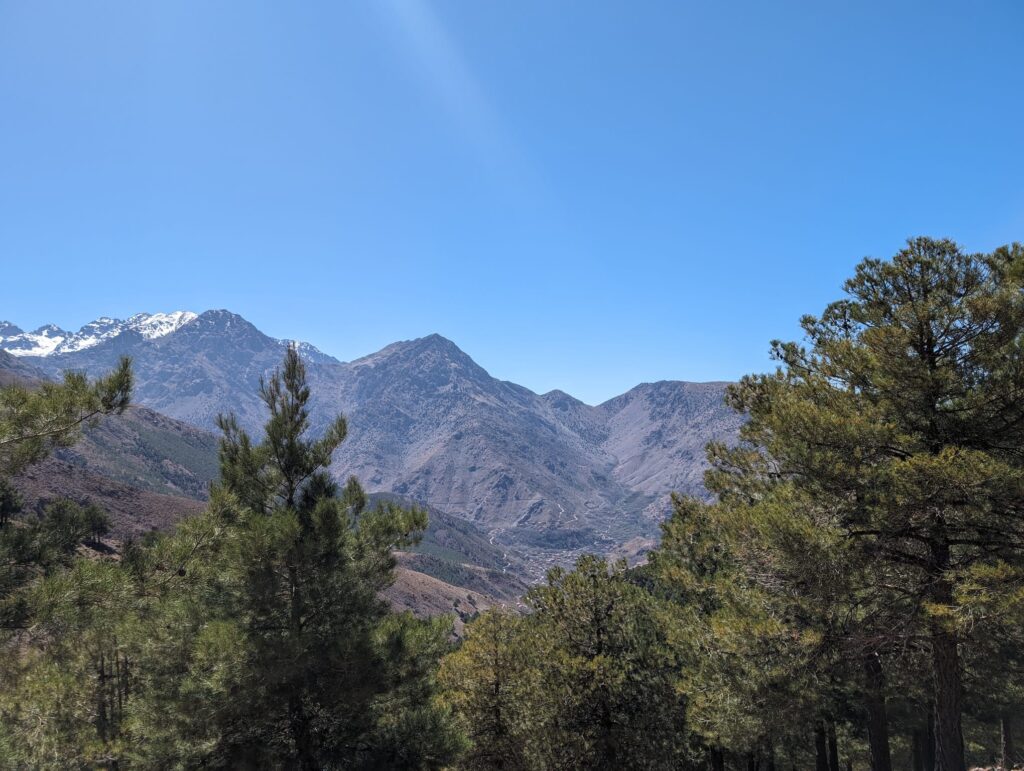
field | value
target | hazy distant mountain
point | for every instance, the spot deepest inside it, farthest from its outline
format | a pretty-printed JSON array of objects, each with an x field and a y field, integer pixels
[{"x": 545, "y": 473}]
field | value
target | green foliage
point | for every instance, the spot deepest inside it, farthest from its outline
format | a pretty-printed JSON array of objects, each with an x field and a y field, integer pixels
[
  {"x": 613, "y": 676},
  {"x": 35, "y": 421},
  {"x": 851, "y": 597},
  {"x": 868, "y": 526},
  {"x": 252, "y": 636},
  {"x": 40, "y": 547},
  {"x": 493, "y": 684},
  {"x": 586, "y": 680}
]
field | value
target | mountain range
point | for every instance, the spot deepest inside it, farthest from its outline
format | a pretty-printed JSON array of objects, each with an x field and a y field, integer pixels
[
  {"x": 543, "y": 475},
  {"x": 148, "y": 471}
]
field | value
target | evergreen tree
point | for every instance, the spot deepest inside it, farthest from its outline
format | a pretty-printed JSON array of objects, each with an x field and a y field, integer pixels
[
  {"x": 40, "y": 547},
  {"x": 755, "y": 660},
  {"x": 36, "y": 420},
  {"x": 586, "y": 680},
  {"x": 900, "y": 428},
  {"x": 34, "y": 718},
  {"x": 253, "y": 636},
  {"x": 296, "y": 592},
  {"x": 493, "y": 683}
]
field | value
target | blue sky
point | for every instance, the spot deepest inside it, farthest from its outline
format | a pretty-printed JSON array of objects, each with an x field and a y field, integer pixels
[{"x": 583, "y": 195}]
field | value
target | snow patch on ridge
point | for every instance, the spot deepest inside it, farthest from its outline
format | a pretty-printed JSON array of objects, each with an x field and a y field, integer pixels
[
  {"x": 40, "y": 342},
  {"x": 154, "y": 325},
  {"x": 51, "y": 339},
  {"x": 309, "y": 352}
]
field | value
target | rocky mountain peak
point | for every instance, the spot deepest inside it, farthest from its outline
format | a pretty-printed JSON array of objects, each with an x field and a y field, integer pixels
[
  {"x": 221, "y": 327},
  {"x": 560, "y": 400},
  {"x": 548, "y": 474},
  {"x": 221, "y": 319},
  {"x": 422, "y": 354}
]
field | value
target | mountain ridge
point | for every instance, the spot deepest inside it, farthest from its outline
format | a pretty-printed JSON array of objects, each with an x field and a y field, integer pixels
[
  {"x": 51, "y": 339},
  {"x": 543, "y": 473}
]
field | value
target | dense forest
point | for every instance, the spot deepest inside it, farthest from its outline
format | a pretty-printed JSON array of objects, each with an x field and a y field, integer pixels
[{"x": 850, "y": 594}]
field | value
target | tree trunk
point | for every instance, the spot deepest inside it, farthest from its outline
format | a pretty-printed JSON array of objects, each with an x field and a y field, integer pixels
[
  {"x": 949, "y": 739},
  {"x": 917, "y": 742},
  {"x": 305, "y": 757},
  {"x": 608, "y": 743},
  {"x": 946, "y": 675},
  {"x": 929, "y": 745},
  {"x": 878, "y": 719},
  {"x": 1006, "y": 741},
  {"x": 820, "y": 748},
  {"x": 717, "y": 759},
  {"x": 833, "y": 747},
  {"x": 298, "y": 717}
]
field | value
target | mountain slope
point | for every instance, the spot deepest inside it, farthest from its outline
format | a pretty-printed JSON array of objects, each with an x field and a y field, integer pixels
[
  {"x": 149, "y": 451},
  {"x": 133, "y": 511},
  {"x": 148, "y": 471},
  {"x": 657, "y": 433},
  {"x": 15, "y": 371},
  {"x": 546, "y": 474}
]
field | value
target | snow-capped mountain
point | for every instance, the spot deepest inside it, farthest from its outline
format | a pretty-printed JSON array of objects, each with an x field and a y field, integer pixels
[
  {"x": 51, "y": 339},
  {"x": 41, "y": 342},
  {"x": 309, "y": 352}
]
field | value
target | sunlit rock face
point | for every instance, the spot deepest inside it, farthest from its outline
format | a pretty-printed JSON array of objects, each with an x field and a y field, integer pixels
[{"x": 545, "y": 474}]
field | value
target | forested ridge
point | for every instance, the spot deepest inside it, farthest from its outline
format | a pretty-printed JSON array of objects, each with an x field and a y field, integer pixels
[{"x": 849, "y": 596}]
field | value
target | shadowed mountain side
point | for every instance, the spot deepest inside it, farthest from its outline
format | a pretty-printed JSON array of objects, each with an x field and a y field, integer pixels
[
  {"x": 133, "y": 512},
  {"x": 15, "y": 371},
  {"x": 149, "y": 451},
  {"x": 455, "y": 551}
]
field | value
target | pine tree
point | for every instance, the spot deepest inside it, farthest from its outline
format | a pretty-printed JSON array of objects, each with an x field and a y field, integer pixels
[
  {"x": 901, "y": 427},
  {"x": 586, "y": 680},
  {"x": 36, "y": 420},
  {"x": 252, "y": 636},
  {"x": 33, "y": 422},
  {"x": 40, "y": 547},
  {"x": 756, "y": 659},
  {"x": 493, "y": 683},
  {"x": 303, "y": 566}
]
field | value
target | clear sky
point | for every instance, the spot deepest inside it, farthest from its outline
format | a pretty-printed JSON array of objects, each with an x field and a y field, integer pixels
[{"x": 582, "y": 195}]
